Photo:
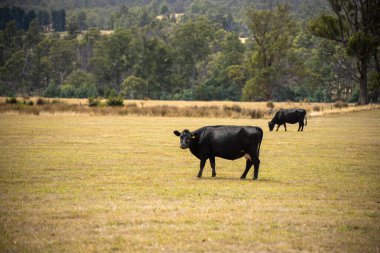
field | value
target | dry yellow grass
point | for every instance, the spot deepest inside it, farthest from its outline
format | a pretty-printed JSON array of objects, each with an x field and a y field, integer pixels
[
  {"x": 323, "y": 108},
  {"x": 80, "y": 183}
]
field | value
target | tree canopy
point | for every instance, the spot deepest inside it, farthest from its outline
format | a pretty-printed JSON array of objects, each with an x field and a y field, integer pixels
[{"x": 192, "y": 50}]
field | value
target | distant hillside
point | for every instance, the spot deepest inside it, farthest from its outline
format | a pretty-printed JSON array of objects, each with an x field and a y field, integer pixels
[{"x": 300, "y": 8}]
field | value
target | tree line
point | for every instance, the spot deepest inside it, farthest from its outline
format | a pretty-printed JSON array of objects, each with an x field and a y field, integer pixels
[
  {"x": 22, "y": 18},
  {"x": 200, "y": 55}
]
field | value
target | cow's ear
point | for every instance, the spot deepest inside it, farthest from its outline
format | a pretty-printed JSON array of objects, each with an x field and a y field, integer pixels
[
  {"x": 194, "y": 135},
  {"x": 177, "y": 133}
]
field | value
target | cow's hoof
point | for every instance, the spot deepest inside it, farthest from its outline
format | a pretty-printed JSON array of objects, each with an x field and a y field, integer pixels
[
  {"x": 213, "y": 175},
  {"x": 242, "y": 178},
  {"x": 199, "y": 176},
  {"x": 255, "y": 178}
]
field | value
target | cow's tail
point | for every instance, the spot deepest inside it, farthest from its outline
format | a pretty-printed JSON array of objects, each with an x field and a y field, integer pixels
[
  {"x": 305, "y": 118},
  {"x": 260, "y": 140}
]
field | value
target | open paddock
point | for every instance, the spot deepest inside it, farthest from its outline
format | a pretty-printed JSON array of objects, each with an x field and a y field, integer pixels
[{"x": 81, "y": 183}]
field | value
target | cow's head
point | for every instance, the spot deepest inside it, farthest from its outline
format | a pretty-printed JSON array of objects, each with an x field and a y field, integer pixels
[
  {"x": 271, "y": 125},
  {"x": 186, "y": 137}
]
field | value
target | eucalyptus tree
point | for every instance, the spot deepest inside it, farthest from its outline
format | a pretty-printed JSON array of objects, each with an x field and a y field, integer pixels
[
  {"x": 114, "y": 58},
  {"x": 355, "y": 26},
  {"x": 272, "y": 31},
  {"x": 192, "y": 42}
]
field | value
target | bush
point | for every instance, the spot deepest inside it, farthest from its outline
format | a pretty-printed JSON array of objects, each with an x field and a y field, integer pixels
[
  {"x": 41, "y": 101},
  {"x": 67, "y": 91},
  {"x": 256, "y": 114},
  {"x": 51, "y": 91},
  {"x": 115, "y": 101},
  {"x": 354, "y": 96},
  {"x": 11, "y": 100},
  {"x": 86, "y": 90},
  {"x": 55, "y": 101},
  {"x": 186, "y": 94},
  {"x": 340, "y": 104},
  {"x": 270, "y": 104},
  {"x": 321, "y": 95},
  {"x": 316, "y": 108},
  {"x": 93, "y": 102},
  {"x": 234, "y": 108},
  {"x": 135, "y": 87}
]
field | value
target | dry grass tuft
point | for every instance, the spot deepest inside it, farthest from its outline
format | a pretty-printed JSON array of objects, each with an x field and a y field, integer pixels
[{"x": 215, "y": 109}]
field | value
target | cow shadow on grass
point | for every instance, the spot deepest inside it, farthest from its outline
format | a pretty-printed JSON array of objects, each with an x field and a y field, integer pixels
[{"x": 264, "y": 179}]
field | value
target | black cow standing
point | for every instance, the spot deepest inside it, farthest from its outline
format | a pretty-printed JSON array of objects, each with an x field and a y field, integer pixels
[
  {"x": 291, "y": 116},
  {"x": 228, "y": 142}
]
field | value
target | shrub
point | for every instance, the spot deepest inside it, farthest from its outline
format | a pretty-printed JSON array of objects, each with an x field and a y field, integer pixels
[
  {"x": 256, "y": 113},
  {"x": 186, "y": 94},
  {"x": 86, "y": 90},
  {"x": 340, "y": 104},
  {"x": 93, "y": 102},
  {"x": 115, "y": 101},
  {"x": 234, "y": 108},
  {"x": 51, "y": 91},
  {"x": 11, "y": 100},
  {"x": 355, "y": 96},
  {"x": 316, "y": 108},
  {"x": 67, "y": 91},
  {"x": 41, "y": 101},
  {"x": 56, "y": 101},
  {"x": 135, "y": 87},
  {"x": 270, "y": 104}
]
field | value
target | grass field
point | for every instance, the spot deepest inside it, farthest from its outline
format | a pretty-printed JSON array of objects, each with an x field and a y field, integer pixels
[{"x": 80, "y": 183}]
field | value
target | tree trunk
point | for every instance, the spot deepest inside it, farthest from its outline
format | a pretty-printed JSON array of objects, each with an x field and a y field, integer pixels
[{"x": 363, "y": 97}]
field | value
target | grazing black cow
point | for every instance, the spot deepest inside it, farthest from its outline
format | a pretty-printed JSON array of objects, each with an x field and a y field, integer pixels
[
  {"x": 291, "y": 116},
  {"x": 228, "y": 142}
]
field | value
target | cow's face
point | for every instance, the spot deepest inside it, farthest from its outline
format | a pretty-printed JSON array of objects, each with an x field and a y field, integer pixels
[
  {"x": 271, "y": 126},
  {"x": 185, "y": 138}
]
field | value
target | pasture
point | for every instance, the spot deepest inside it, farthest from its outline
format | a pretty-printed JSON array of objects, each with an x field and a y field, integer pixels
[{"x": 80, "y": 183}]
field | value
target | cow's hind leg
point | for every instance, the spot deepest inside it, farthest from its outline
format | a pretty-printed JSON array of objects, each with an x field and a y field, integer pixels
[
  {"x": 202, "y": 165},
  {"x": 212, "y": 163},
  {"x": 285, "y": 127},
  {"x": 300, "y": 126},
  {"x": 248, "y": 166},
  {"x": 256, "y": 165}
]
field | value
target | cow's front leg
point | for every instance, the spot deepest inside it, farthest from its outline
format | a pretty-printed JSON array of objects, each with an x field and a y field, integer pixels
[
  {"x": 278, "y": 126},
  {"x": 212, "y": 163},
  {"x": 285, "y": 127},
  {"x": 202, "y": 165}
]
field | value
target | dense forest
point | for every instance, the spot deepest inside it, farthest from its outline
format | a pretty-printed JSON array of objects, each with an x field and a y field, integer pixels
[{"x": 190, "y": 50}]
